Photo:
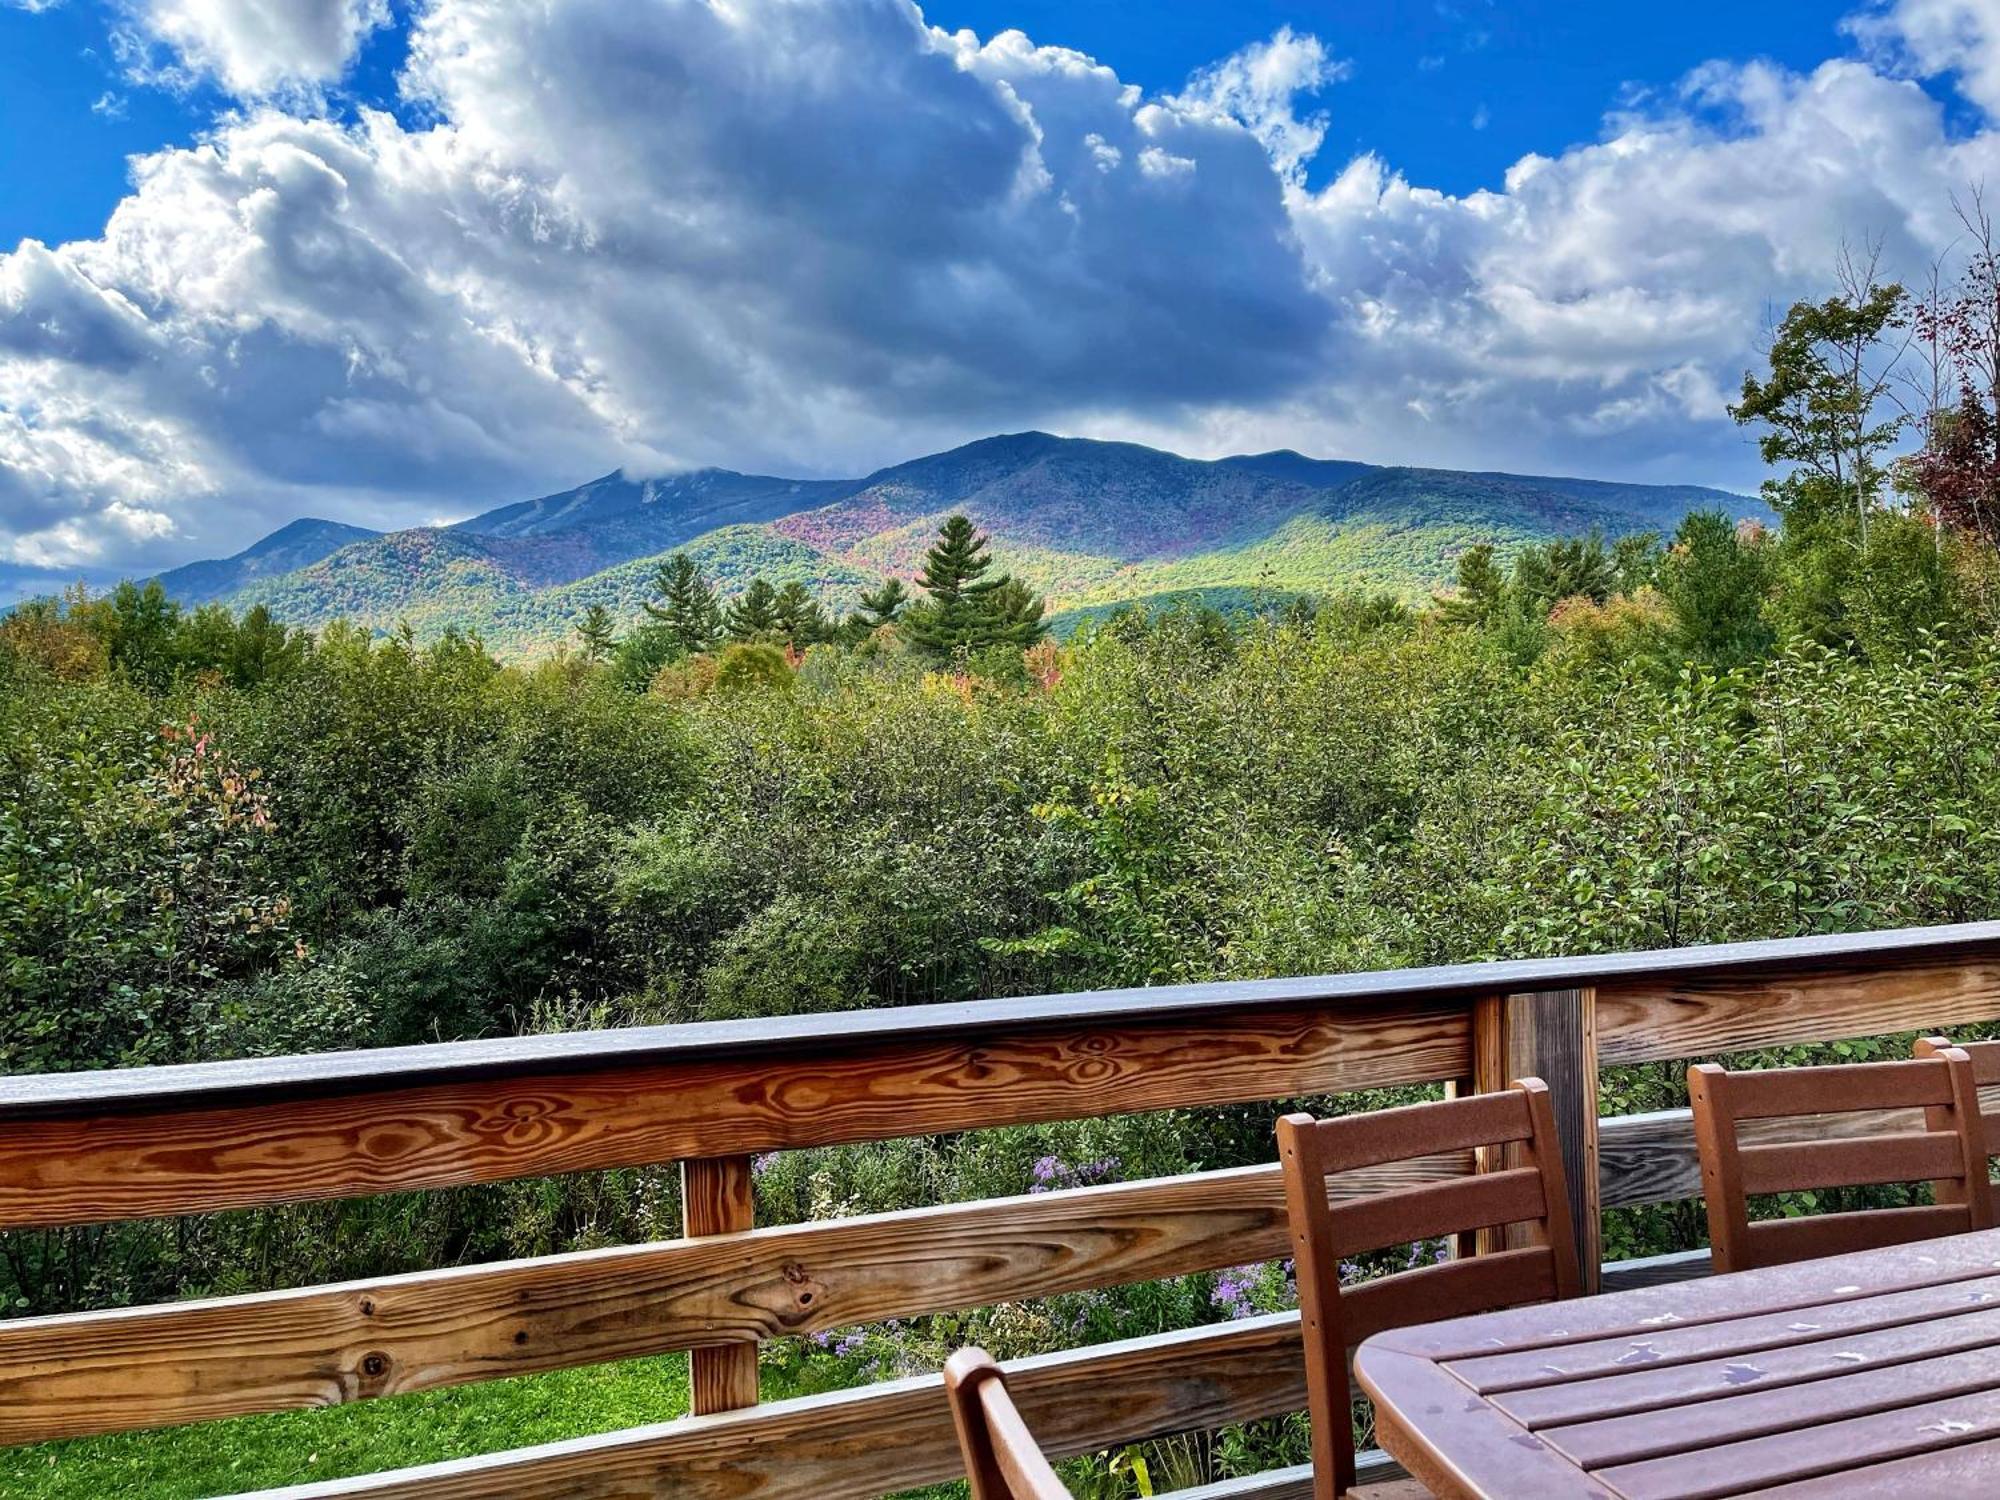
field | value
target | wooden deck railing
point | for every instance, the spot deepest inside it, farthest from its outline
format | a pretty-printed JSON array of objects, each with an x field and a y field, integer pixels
[{"x": 96, "y": 1147}]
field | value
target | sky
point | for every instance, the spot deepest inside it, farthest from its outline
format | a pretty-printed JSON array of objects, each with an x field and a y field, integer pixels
[{"x": 393, "y": 261}]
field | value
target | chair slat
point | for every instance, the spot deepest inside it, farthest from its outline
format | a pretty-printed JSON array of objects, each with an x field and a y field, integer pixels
[
  {"x": 1333, "y": 1319},
  {"x": 1817, "y": 1235},
  {"x": 1984, "y": 1056},
  {"x": 1424, "y": 1213},
  {"x": 1838, "y": 1088},
  {"x": 1453, "y": 1289},
  {"x": 1950, "y": 1154},
  {"x": 1417, "y": 1130},
  {"x": 1800, "y": 1166}
]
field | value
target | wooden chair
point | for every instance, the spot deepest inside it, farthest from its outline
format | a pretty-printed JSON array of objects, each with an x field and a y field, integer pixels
[
  {"x": 1949, "y": 1152},
  {"x": 1002, "y": 1459},
  {"x": 1324, "y": 1234},
  {"x": 1985, "y": 1073}
]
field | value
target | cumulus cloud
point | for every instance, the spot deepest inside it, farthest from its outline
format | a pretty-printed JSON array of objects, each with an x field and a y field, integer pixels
[
  {"x": 251, "y": 48},
  {"x": 820, "y": 236},
  {"x": 1934, "y": 38}
]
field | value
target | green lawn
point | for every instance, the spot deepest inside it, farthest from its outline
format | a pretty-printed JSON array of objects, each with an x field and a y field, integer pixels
[{"x": 249, "y": 1453}]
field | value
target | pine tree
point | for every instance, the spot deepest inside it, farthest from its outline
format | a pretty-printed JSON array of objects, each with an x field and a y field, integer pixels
[
  {"x": 1482, "y": 588},
  {"x": 754, "y": 617},
  {"x": 801, "y": 621},
  {"x": 884, "y": 605},
  {"x": 690, "y": 609},
  {"x": 1017, "y": 613},
  {"x": 959, "y": 614},
  {"x": 598, "y": 634}
]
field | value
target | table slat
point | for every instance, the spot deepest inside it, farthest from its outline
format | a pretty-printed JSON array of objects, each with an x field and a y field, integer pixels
[
  {"x": 1810, "y": 1451},
  {"x": 1679, "y": 1340},
  {"x": 1756, "y": 1413},
  {"x": 1672, "y": 1385},
  {"x": 1875, "y": 1373}
]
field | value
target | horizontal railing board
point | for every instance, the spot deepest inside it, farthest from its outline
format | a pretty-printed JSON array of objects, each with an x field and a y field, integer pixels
[
  {"x": 1651, "y": 1158},
  {"x": 1707, "y": 1013},
  {"x": 61, "y": 1169},
  {"x": 1656, "y": 1270},
  {"x": 77, "y": 1374},
  {"x": 1677, "y": 973},
  {"x": 879, "y": 1439},
  {"x": 1294, "y": 1482}
]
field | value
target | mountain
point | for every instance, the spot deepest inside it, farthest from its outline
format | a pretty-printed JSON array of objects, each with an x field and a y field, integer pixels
[
  {"x": 1090, "y": 524},
  {"x": 657, "y": 513},
  {"x": 289, "y": 548}
]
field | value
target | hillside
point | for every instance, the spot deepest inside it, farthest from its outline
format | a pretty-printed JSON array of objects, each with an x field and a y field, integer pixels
[
  {"x": 1090, "y": 524},
  {"x": 286, "y": 550}
]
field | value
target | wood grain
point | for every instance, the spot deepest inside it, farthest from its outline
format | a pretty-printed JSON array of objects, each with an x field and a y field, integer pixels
[
  {"x": 185, "y": 1361},
  {"x": 883, "y": 1438},
  {"x": 1552, "y": 1036},
  {"x": 1717, "y": 1011},
  {"x": 85, "y": 1169},
  {"x": 251, "y": 1080},
  {"x": 716, "y": 1199}
]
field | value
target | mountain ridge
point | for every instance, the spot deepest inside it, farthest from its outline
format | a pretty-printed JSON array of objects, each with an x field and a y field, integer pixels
[{"x": 1089, "y": 523}]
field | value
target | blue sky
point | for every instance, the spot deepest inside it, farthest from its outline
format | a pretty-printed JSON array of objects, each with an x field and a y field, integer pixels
[
  {"x": 391, "y": 263},
  {"x": 1452, "y": 92}
]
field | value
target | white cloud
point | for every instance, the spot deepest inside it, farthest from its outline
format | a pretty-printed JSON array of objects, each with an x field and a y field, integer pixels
[
  {"x": 252, "y": 48},
  {"x": 789, "y": 236},
  {"x": 1260, "y": 87},
  {"x": 1935, "y": 38}
]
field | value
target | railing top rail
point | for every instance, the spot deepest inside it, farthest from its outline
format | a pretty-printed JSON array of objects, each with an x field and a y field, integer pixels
[{"x": 252, "y": 1080}]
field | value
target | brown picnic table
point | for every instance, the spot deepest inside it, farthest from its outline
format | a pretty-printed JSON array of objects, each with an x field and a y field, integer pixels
[{"x": 1866, "y": 1375}]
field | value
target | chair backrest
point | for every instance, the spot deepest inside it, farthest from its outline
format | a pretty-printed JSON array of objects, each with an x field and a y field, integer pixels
[
  {"x": 1985, "y": 1073},
  {"x": 1002, "y": 1458},
  {"x": 1528, "y": 1189},
  {"x": 1948, "y": 1152}
]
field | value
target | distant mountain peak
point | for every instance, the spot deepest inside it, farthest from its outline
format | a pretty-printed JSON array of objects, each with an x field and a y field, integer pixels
[{"x": 1087, "y": 521}]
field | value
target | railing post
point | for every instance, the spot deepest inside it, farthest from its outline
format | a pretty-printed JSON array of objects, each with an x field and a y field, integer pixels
[
  {"x": 716, "y": 1199},
  {"x": 1552, "y": 1036}
]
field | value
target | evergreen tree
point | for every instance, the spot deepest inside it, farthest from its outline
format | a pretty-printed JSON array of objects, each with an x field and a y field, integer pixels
[
  {"x": 754, "y": 617},
  {"x": 884, "y": 606},
  {"x": 801, "y": 621},
  {"x": 960, "y": 614},
  {"x": 1567, "y": 568},
  {"x": 1017, "y": 613},
  {"x": 597, "y": 633},
  {"x": 1482, "y": 588},
  {"x": 689, "y": 609}
]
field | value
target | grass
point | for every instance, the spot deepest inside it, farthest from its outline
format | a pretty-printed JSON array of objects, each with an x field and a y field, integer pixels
[{"x": 249, "y": 1453}]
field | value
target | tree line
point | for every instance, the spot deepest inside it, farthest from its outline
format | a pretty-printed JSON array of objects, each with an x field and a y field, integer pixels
[{"x": 966, "y": 610}]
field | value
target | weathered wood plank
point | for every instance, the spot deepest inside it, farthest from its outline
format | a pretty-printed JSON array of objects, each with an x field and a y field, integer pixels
[
  {"x": 1552, "y": 1036},
  {"x": 186, "y": 1361},
  {"x": 1666, "y": 971},
  {"x": 1295, "y": 1482},
  {"x": 65, "y": 1169},
  {"x": 883, "y": 1438},
  {"x": 1656, "y": 1270},
  {"x": 716, "y": 1199},
  {"x": 1650, "y": 1158},
  {"x": 1711, "y": 1012}
]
